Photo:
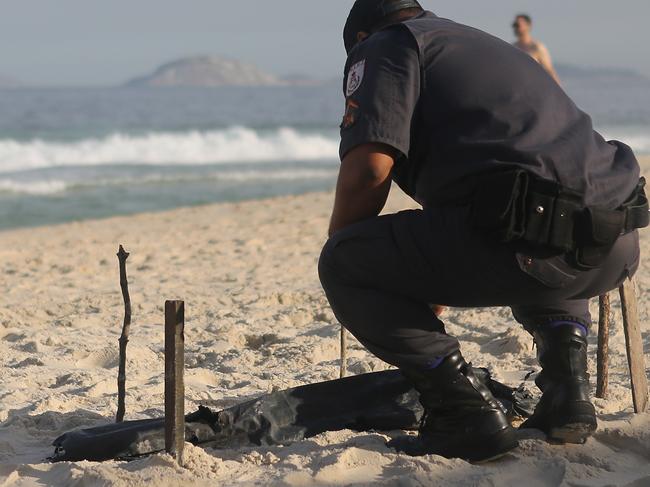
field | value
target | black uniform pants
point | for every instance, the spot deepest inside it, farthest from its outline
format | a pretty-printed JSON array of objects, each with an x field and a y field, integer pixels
[{"x": 381, "y": 276}]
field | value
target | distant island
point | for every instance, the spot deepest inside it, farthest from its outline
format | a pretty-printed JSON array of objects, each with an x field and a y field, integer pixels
[
  {"x": 217, "y": 71},
  {"x": 214, "y": 71}
]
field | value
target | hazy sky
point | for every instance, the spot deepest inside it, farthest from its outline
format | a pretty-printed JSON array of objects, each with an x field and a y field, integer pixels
[{"x": 89, "y": 42}]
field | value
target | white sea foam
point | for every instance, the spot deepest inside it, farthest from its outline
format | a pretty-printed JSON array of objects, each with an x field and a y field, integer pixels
[
  {"x": 32, "y": 187},
  {"x": 284, "y": 175},
  {"x": 51, "y": 187},
  {"x": 237, "y": 144}
]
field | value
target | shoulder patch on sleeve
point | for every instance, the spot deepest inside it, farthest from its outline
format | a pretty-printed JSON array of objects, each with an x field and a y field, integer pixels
[
  {"x": 351, "y": 114},
  {"x": 355, "y": 77}
]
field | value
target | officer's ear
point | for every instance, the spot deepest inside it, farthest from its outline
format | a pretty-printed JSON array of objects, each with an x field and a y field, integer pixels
[{"x": 362, "y": 36}]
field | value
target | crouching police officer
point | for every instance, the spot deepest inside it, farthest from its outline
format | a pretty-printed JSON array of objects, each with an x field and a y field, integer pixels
[{"x": 524, "y": 205}]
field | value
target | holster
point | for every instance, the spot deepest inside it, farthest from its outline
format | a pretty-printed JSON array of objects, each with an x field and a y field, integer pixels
[
  {"x": 499, "y": 205},
  {"x": 516, "y": 206}
]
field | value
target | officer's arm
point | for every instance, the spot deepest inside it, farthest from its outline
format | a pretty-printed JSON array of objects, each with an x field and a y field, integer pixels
[{"x": 363, "y": 185}]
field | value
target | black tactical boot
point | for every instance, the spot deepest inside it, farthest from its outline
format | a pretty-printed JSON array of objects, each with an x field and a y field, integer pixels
[
  {"x": 462, "y": 419},
  {"x": 565, "y": 412}
]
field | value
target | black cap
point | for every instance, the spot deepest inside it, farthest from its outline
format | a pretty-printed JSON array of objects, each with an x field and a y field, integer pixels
[{"x": 365, "y": 14}]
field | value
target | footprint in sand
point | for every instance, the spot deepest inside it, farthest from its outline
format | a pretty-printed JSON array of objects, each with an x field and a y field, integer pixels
[
  {"x": 105, "y": 358},
  {"x": 514, "y": 340},
  {"x": 354, "y": 465}
]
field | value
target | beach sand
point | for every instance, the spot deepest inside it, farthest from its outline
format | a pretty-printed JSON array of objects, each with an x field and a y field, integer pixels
[{"x": 257, "y": 320}]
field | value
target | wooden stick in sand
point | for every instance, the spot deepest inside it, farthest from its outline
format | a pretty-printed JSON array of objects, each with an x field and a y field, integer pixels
[
  {"x": 174, "y": 381},
  {"x": 634, "y": 346},
  {"x": 122, "y": 255},
  {"x": 344, "y": 352},
  {"x": 602, "y": 379}
]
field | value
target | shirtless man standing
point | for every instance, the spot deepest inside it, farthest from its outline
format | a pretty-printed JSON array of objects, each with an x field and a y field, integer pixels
[{"x": 538, "y": 51}]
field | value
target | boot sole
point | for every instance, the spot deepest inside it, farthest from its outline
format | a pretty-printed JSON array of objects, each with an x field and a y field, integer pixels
[
  {"x": 576, "y": 433},
  {"x": 572, "y": 424}
]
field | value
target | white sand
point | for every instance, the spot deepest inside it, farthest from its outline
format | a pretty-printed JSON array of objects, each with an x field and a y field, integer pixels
[{"x": 256, "y": 320}]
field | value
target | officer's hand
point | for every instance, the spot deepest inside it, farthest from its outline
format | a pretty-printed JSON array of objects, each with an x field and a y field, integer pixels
[{"x": 438, "y": 309}]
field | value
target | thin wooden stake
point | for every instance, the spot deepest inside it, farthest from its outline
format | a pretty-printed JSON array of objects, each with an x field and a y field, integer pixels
[
  {"x": 602, "y": 380},
  {"x": 344, "y": 353},
  {"x": 122, "y": 256},
  {"x": 634, "y": 346},
  {"x": 174, "y": 381}
]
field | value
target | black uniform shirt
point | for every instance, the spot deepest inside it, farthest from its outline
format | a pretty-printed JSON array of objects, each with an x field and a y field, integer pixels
[{"x": 457, "y": 103}]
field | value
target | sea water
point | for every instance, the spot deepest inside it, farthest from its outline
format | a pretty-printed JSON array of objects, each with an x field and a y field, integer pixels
[{"x": 79, "y": 153}]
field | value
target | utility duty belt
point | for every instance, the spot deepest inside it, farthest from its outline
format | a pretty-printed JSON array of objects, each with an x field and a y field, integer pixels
[{"x": 517, "y": 206}]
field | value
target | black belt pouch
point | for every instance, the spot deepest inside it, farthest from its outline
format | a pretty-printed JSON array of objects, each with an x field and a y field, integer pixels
[{"x": 598, "y": 232}]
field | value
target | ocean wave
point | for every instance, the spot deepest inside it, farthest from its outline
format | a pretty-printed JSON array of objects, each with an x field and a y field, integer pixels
[
  {"x": 53, "y": 187},
  {"x": 228, "y": 146},
  {"x": 237, "y": 144}
]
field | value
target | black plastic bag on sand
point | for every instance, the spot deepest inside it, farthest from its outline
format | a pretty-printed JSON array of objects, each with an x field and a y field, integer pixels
[{"x": 381, "y": 401}]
